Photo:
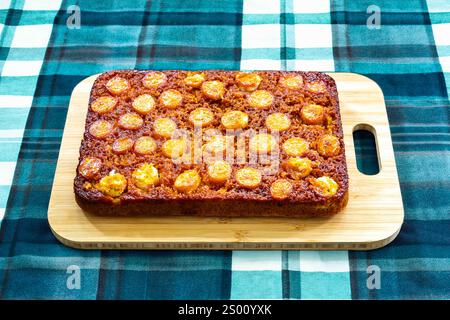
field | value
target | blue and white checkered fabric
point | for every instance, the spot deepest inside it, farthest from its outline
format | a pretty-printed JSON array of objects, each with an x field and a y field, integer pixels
[{"x": 42, "y": 59}]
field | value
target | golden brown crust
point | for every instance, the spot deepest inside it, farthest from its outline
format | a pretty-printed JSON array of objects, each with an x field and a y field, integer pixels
[{"x": 212, "y": 199}]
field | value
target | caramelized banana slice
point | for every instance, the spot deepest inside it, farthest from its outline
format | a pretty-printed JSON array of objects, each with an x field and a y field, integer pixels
[
  {"x": 122, "y": 145},
  {"x": 117, "y": 85},
  {"x": 112, "y": 185},
  {"x": 143, "y": 104},
  {"x": 295, "y": 147},
  {"x": 328, "y": 146},
  {"x": 145, "y": 176},
  {"x": 292, "y": 82},
  {"x": 89, "y": 167},
  {"x": 281, "y": 189},
  {"x": 234, "y": 120},
  {"x": 214, "y": 90},
  {"x": 188, "y": 181},
  {"x": 194, "y": 80},
  {"x": 153, "y": 80},
  {"x": 317, "y": 87},
  {"x": 248, "y": 177},
  {"x": 325, "y": 186},
  {"x": 164, "y": 127},
  {"x": 217, "y": 144},
  {"x": 100, "y": 129},
  {"x": 171, "y": 99},
  {"x": 219, "y": 171},
  {"x": 174, "y": 148},
  {"x": 248, "y": 81},
  {"x": 298, "y": 167},
  {"x": 130, "y": 121},
  {"x": 104, "y": 105},
  {"x": 201, "y": 117},
  {"x": 260, "y": 99},
  {"x": 312, "y": 114},
  {"x": 278, "y": 122},
  {"x": 262, "y": 143},
  {"x": 145, "y": 145}
]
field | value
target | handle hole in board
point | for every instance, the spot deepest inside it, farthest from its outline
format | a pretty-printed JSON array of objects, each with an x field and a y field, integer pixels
[{"x": 366, "y": 152}]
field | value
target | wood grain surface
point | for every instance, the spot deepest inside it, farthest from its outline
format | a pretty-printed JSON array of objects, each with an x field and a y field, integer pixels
[{"x": 372, "y": 218}]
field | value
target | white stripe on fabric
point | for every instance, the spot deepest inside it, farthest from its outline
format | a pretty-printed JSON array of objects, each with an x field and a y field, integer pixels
[
  {"x": 438, "y": 6},
  {"x": 441, "y": 32},
  {"x": 308, "y": 6},
  {"x": 313, "y": 36},
  {"x": 7, "y": 173},
  {"x": 262, "y": 64},
  {"x": 445, "y": 63},
  {"x": 42, "y": 5},
  {"x": 5, "y": 4},
  {"x": 257, "y": 7},
  {"x": 261, "y": 36},
  {"x": 314, "y": 65},
  {"x": 32, "y": 36},
  {"x": 16, "y": 68},
  {"x": 7, "y": 101},
  {"x": 324, "y": 261},
  {"x": 15, "y": 133},
  {"x": 256, "y": 261}
]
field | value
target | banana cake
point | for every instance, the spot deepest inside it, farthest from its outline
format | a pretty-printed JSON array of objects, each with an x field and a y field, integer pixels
[{"x": 212, "y": 143}]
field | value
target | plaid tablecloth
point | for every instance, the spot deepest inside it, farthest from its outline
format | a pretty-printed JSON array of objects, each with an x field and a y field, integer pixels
[{"x": 44, "y": 55}]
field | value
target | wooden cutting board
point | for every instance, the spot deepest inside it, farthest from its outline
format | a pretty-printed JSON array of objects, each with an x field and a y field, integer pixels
[{"x": 372, "y": 218}]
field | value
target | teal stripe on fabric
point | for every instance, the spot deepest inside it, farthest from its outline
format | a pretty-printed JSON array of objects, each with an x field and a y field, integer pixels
[
  {"x": 9, "y": 148},
  {"x": 256, "y": 285},
  {"x": 332, "y": 269},
  {"x": 87, "y": 69},
  {"x": 17, "y": 4},
  {"x": 291, "y": 277},
  {"x": 261, "y": 53},
  {"x": 413, "y": 6},
  {"x": 129, "y": 36},
  {"x": 382, "y": 67},
  {"x": 287, "y": 36},
  {"x": 33, "y": 17},
  {"x": 292, "y": 53},
  {"x": 251, "y": 19},
  {"x": 4, "y": 191},
  {"x": 440, "y": 17},
  {"x": 29, "y": 54},
  {"x": 447, "y": 81},
  {"x": 387, "y": 35},
  {"x": 13, "y": 118},
  {"x": 290, "y": 18},
  {"x": 19, "y": 86},
  {"x": 311, "y": 53},
  {"x": 325, "y": 285}
]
